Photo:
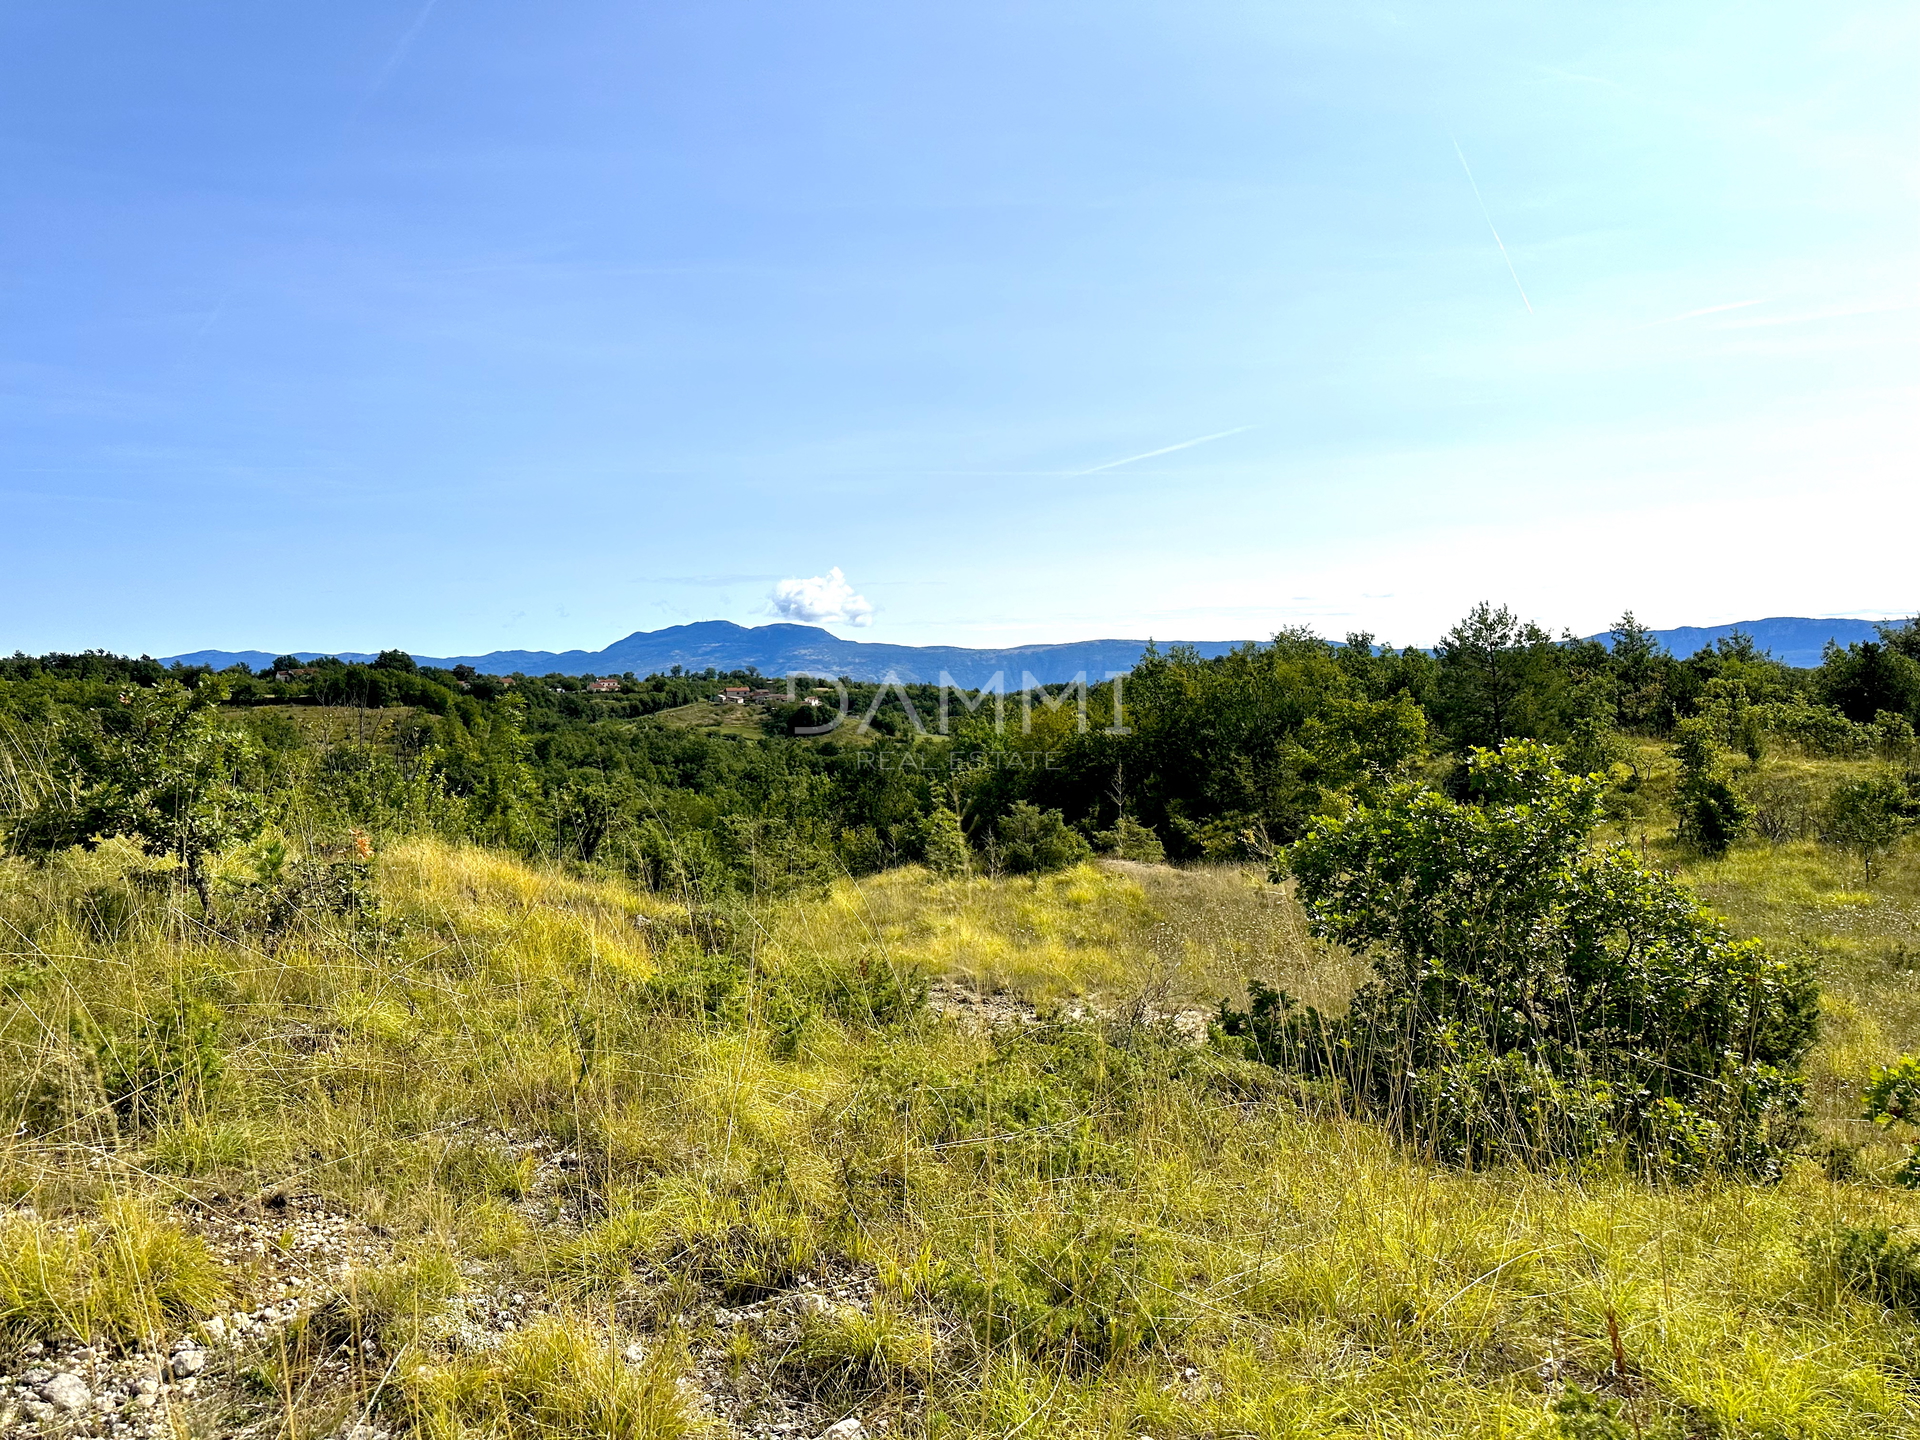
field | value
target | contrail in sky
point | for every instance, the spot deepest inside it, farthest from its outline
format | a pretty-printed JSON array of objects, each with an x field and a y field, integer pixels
[
  {"x": 1489, "y": 219},
  {"x": 386, "y": 73},
  {"x": 1165, "y": 450},
  {"x": 399, "y": 54}
]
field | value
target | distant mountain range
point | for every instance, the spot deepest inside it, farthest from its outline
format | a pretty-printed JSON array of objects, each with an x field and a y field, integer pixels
[
  {"x": 1790, "y": 639},
  {"x": 780, "y": 649}
]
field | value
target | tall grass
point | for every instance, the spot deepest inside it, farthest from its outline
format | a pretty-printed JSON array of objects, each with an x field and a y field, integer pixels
[{"x": 1070, "y": 1227}]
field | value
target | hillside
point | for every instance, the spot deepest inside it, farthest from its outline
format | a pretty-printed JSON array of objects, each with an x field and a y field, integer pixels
[{"x": 496, "y": 1150}]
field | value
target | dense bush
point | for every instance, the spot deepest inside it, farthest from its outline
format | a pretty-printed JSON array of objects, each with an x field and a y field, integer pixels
[
  {"x": 1712, "y": 814},
  {"x": 1032, "y": 841},
  {"x": 1893, "y": 1098},
  {"x": 1534, "y": 999}
]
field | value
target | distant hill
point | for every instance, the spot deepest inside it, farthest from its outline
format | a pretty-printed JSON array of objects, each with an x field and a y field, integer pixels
[
  {"x": 1790, "y": 639},
  {"x": 778, "y": 649}
]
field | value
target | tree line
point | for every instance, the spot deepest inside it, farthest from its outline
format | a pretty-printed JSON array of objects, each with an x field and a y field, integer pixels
[{"x": 1187, "y": 758}]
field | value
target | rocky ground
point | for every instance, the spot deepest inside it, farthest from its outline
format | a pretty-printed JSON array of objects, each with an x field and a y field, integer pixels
[
  {"x": 282, "y": 1253},
  {"x": 288, "y": 1253}
]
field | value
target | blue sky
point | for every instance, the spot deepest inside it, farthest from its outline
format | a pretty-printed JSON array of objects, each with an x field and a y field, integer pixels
[{"x": 471, "y": 325}]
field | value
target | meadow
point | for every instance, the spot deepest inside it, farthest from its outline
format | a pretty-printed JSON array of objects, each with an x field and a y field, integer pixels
[{"x": 464, "y": 1144}]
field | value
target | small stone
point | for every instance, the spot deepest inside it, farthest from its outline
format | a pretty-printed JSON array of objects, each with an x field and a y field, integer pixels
[
  {"x": 67, "y": 1392},
  {"x": 848, "y": 1429},
  {"x": 36, "y": 1409},
  {"x": 810, "y": 1304},
  {"x": 187, "y": 1387},
  {"x": 216, "y": 1328},
  {"x": 634, "y": 1353},
  {"x": 37, "y": 1376},
  {"x": 187, "y": 1362},
  {"x": 1191, "y": 1373}
]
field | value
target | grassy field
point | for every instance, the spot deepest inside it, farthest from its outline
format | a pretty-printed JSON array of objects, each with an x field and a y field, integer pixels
[
  {"x": 478, "y": 1148},
  {"x": 716, "y": 717},
  {"x": 326, "y": 725}
]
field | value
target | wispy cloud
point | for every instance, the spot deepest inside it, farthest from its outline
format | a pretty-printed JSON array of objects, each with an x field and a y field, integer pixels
[
  {"x": 1833, "y": 312},
  {"x": 820, "y": 600},
  {"x": 1710, "y": 310},
  {"x": 1165, "y": 450}
]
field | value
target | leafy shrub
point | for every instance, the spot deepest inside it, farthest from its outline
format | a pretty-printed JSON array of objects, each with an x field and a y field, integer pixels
[
  {"x": 870, "y": 989},
  {"x": 285, "y": 895},
  {"x": 1874, "y": 1262},
  {"x": 1868, "y": 815},
  {"x": 1535, "y": 1000},
  {"x": 698, "y": 984},
  {"x": 1893, "y": 1098},
  {"x": 1712, "y": 813},
  {"x": 1044, "y": 1103},
  {"x": 1581, "y": 1415},
  {"x": 1033, "y": 841}
]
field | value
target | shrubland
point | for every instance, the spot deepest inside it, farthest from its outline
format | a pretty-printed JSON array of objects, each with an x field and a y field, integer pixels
[{"x": 804, "y": 1094}]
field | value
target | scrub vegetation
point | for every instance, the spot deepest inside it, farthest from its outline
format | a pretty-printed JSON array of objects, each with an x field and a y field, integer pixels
[{"x": 1506, "y": 1041}]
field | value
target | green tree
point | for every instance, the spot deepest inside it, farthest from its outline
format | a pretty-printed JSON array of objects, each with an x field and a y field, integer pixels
[
  {"x": 1535, "y": 999},
  {"x": 483, "y": 760},
  {"x": 1130, "y": 840},
  {"x": 1867, "y": 678},
  {"x": 1219, "y": 752},
  {"x": 1639, "y": 666},
  {"x": 1712, "y": 814},
  {"x": 1499, "y": 678},
  {"x": 1869, "y": 815},
  {"x": 161, "y": 768},
  {"x": 944, "y": 843}
]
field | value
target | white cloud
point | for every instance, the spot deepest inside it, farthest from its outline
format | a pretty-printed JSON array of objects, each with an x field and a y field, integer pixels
[{"x": 820, "y": 600}]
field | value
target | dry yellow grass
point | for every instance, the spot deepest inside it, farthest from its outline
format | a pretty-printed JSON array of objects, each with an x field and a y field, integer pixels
[{"x": 546, "y": 1080}]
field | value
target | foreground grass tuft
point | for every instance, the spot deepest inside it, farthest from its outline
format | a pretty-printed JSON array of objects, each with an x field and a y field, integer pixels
[{"x": 128, "y": 1275}]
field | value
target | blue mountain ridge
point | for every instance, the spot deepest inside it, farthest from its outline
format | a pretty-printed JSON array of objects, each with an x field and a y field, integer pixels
[{"x": 782, "y": 649}]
